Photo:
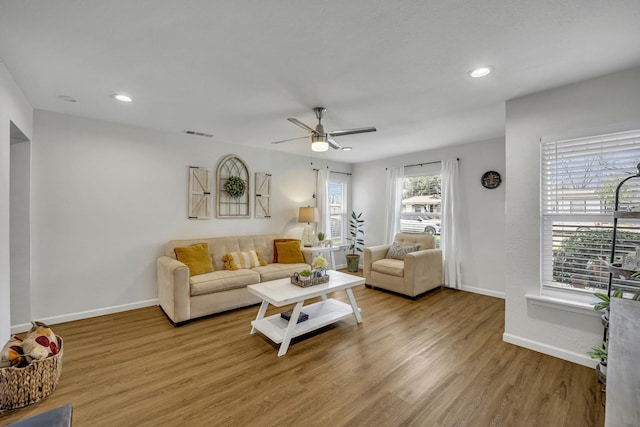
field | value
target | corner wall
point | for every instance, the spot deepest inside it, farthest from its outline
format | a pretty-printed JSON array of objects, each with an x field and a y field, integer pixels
[
  {"x": 605, "y": 104},
  {"x": 13, "y": 108},
  {"x": 482, "y": 227}
]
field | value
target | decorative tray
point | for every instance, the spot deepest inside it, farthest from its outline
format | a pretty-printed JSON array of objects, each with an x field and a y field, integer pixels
[{"x": 295, "y": 280}]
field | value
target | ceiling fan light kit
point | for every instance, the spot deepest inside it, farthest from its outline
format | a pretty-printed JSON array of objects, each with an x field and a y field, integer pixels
[
  {"x": 321, "y": 140},
  {"x": 319, "y": 143}
]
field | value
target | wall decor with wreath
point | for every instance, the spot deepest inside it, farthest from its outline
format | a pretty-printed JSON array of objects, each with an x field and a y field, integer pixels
[{"x": 233, "y": 188}]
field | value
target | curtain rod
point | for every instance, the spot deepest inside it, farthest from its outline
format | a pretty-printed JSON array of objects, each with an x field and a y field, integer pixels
[
  {"x": 342, "y": 173},
  {"x": 422, "y": 164},
  {"x": 427, "y": 163}
]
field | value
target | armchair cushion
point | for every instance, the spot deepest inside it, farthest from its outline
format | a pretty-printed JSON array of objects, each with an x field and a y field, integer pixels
[
  {"x": 392, "y": 267},
  {"x": 397, "y": 251}
]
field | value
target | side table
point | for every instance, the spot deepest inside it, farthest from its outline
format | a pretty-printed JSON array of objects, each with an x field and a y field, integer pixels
[{"x": 326, "y": 251}]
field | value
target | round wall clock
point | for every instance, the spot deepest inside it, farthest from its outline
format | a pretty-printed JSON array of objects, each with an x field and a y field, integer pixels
[{"x": 491, "y": 180}]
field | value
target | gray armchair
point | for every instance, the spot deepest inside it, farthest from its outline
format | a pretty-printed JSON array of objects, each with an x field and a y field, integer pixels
[{"x": 418, "y": 272}]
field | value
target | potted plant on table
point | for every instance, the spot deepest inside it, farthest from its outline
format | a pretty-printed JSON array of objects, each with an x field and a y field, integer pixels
[
  {"x": 602, "y": 353},
  {"x": 605, "y": 303},
  {"x": 305, "y": 275},
  {"x": 357, "y": 241}
]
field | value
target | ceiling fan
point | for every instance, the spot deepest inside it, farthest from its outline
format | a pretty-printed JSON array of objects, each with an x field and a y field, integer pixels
[{"x": 321, "y": 140}]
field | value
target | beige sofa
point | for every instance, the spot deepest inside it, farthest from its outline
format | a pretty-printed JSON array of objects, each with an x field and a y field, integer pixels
[
  {"x": 184, "y": 297},
  {"x": 419, "y": 272}
]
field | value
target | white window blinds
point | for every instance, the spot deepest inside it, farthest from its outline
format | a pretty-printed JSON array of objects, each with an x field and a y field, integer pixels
[{"x": 579, "y": 179}]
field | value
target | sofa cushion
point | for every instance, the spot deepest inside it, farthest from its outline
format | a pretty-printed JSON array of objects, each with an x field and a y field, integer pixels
[
  {"x": 275, "y": 247},
  {"x": 397, "y": 251},
  {"x": 196, "y": 257},
  {"x": 289, "y": 252},
  {"x": 222, "y": 280},
  {"x": 238, "y": 260},
  {"x": 279, "y": 271},
  {"x": 391, "y": 267}
]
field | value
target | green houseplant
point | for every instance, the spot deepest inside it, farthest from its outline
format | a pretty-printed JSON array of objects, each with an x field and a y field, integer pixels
[
  {"x": 357, "y": 241},
  {"x": 602, "y": 353},
  {"x": 305, "y": 275}
]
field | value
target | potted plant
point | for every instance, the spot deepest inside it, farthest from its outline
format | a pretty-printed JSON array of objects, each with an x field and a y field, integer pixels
[
  {"x": 602, "y": 353},
  {"x": 321, "y": 237},
  {"x": 605, "y": 303},
  {"x": 305, "y": 275},
  {"x": 357, "y": 241}
]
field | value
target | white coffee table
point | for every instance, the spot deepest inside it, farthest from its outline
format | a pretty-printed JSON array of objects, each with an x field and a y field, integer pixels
[{"x": 322, "y": 313}]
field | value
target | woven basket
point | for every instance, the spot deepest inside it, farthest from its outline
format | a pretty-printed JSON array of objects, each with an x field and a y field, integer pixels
[
  {"x": 310, "y": 282},
  {"x": 23, "y": 386}
]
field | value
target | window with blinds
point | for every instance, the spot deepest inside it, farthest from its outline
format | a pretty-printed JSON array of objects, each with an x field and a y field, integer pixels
[{"x": 579, "y": 181}]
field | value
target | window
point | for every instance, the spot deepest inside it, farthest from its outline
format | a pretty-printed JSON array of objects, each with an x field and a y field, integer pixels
[
  {"x": 338, "y": 211},
  {"x": 421, "y": 205},
  {"x": 579, "y": 180}
]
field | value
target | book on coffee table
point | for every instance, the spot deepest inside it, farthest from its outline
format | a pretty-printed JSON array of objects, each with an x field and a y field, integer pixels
[{"x": 286, "y": 315}]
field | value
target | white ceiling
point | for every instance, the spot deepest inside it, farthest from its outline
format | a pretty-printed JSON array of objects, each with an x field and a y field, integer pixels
[{"x": 238, "y": 69}]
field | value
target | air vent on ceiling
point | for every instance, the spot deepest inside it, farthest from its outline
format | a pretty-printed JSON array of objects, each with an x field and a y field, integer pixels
[{"x": 196, "y": 133}]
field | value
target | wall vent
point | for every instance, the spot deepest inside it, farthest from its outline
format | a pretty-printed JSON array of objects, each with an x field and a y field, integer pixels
[{"x": 196, "y": 133}]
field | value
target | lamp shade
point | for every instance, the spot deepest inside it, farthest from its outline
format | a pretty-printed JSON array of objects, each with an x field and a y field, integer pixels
[{"x": 308, "y": 214}]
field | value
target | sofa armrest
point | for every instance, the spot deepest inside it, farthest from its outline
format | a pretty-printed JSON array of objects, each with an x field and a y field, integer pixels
[
  {"x": 173, "y": 288},
  {"x": 371, "y": 255},
  {"x": 422, "y": 271}
]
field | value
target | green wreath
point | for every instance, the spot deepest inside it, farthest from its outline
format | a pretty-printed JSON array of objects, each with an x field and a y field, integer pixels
[{"x": 235, "y": 187}]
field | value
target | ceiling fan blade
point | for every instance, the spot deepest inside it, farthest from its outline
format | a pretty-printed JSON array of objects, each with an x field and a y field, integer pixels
[
  {"x": 332, "y": 142},
  {"x": 351, "y": 131},
  {"x": 290, "y": 139},
  {"x": 302, "y": 125}
]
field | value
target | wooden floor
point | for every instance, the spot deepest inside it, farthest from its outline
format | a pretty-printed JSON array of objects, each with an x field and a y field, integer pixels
[{"x": 436, "y": 361}]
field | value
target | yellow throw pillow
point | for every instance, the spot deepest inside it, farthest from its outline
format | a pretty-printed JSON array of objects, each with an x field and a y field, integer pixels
[
  {"x": 275, "y": 247},
  {"x": 289, "y": 252},
  {"x": 196, "y": 257},
  {"x": 236, "y": 260}
]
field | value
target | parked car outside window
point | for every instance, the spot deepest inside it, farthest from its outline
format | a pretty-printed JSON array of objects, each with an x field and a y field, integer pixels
[{"x": 420, "y": 222}]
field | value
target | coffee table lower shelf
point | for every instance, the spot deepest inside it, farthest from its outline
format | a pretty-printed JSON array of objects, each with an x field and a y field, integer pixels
[{"x": 321, "y": 314}]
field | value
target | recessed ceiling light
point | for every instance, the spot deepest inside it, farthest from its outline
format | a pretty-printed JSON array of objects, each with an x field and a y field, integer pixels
[
  {"x": 480, "y": 72},
  {"x": 68, "y": 98},
  {"x": 122, "y": 97},
  {"x": 347, "y": 148}
]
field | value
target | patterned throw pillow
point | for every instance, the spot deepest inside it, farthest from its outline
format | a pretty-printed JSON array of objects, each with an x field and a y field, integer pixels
[
  {"x": 397, "y": 251},
  {"x": 237, "y": 260}
]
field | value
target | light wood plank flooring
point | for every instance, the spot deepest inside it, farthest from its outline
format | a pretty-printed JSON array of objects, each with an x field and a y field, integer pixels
[{"x": 436, "y": 361}]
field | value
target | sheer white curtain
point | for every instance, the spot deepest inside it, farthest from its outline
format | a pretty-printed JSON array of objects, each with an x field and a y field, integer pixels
[
  {"x": 394, "y": 202},
  {"x": 322, "y": 203},
  {"x": 450, "y": 240}
]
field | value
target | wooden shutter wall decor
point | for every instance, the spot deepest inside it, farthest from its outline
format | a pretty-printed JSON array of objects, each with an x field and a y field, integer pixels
[
  {"x": 199, "y": 193},
  {"x": 263, "y": 195}
]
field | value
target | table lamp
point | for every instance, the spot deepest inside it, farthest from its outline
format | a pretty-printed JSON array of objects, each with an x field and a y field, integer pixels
[{"x": 308, "y": 215}]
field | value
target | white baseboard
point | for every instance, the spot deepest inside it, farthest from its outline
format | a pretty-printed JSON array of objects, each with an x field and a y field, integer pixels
[
  {"x": 16, "y": 329},
  {"x": 580, "y": 359},
  {"x": 482, "y": 291}
]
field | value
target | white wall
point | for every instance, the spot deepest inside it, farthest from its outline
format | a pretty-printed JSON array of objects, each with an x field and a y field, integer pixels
[
  {"x": 605, "y": 104},
  {"x": 107, "y": 197},
  {"x": 482, "y": 227},
  {"x": 13, "y": 108},
  {"x": 20, "y": 220}
]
